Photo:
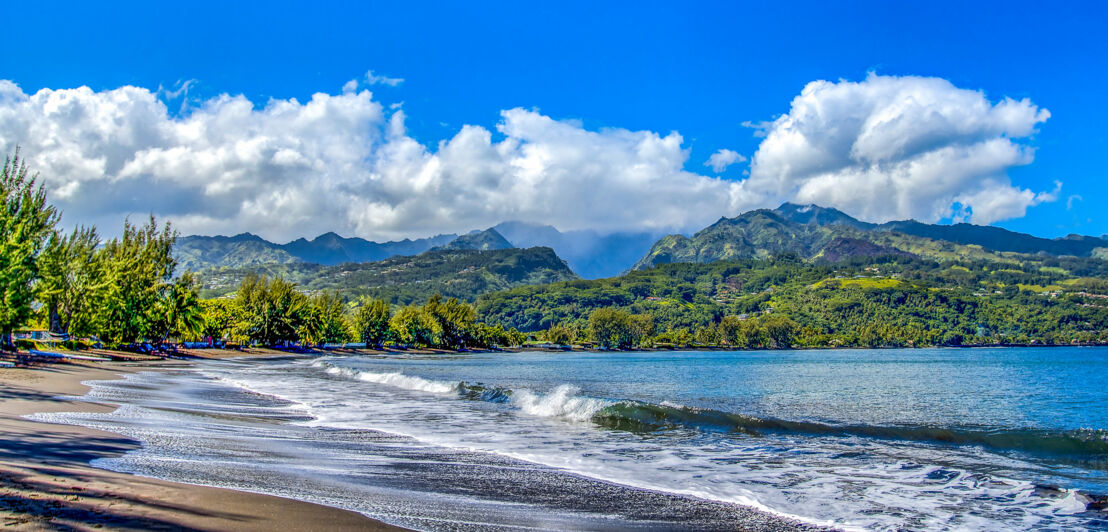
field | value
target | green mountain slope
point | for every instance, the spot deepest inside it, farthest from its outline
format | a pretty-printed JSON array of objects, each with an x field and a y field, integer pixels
[
  {"x": 888, "y": 300},
  {"x": 807, "y": 231},
  {"x": 756, "y": 234},
  {"x": 198, "y": 253},
  {"x": 486, "y": 240},
  {"x": 464, "y": 274},
  {"x": 201, "y": 252}
]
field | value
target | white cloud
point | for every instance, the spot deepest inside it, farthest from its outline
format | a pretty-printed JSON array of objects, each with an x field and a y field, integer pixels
[
  {"x": 343, "y": 163},
  {"x": 882, "y": 148},
  {"x": 899, "y": 147},
  {"x": 377, "y": 79},
  {"x": 720, "y": 160}
]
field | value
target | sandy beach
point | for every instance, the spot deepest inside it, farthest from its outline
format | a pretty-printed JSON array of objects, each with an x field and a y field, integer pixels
[{"x": 46, "y": 482}]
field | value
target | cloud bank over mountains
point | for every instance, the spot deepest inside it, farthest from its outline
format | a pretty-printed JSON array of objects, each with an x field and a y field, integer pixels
[
  {"x": 882, "y": 148},
  {"x": 900, "y": 147}
]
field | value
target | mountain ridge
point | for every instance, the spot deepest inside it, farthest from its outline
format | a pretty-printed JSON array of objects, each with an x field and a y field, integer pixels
[
  {"x": 403, "y": 279},
  {"x": 807, "y": 230},
  {"x": 590, "y": 254}
]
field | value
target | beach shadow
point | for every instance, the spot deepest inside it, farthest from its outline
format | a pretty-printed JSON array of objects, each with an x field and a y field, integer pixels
[
  {"x": 47, "y": 446},
  {"x": 23, "y": 394},
  {"x": 85, "y": 505},
  {"x": 56, "y": 510}
]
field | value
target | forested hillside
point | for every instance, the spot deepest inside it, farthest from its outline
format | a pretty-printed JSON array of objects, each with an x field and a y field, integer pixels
[
  {"x": 464, "y": 274},
  {"x": 809, "y": 231},
  {"x": 890, "y": 300},
  {"x": 197, "y": 253}
]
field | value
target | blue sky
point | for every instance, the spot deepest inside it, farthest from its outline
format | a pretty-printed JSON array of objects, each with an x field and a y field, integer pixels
[{"x": 702, "y": 70}]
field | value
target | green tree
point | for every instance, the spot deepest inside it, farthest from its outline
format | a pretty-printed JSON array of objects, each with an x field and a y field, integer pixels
[
  {"x": 26, "y": 221},
  {"x": 731, "y": 331},
  {"x": 560, "y": 335},
  {"x": 641, "y": 328},
  {"x": 611, "y": 328},
  {"x": 271, "y": 311},
  {"x": 370, "y": 321},
  {"x": 219, "y": 318},
  {"x": 70, "y": 277},
  {"x": 324, "y": 320},
  {"x": 178, "y": 312},
  {"x": 780, "y": 330},
  {"x": 452, "y": 322},
  {"x": 492, "y": 336},
  {"x": 137, "y": 268},
  {"x": 411, "y": 326},
  {"x": 708, "y": 335}
]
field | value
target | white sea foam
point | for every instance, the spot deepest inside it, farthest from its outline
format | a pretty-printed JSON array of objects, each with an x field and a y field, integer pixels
[
  {"x": 397, "y": 379},
  {"x": 561, "y": 402},
  {"x": 791, "y": 476}
]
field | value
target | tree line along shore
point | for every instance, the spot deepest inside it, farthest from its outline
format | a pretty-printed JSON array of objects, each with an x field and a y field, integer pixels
[{"x": 126, "y": 293}]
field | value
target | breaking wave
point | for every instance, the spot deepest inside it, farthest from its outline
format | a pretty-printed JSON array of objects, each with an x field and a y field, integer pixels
[{"x": 565, "y": 402}]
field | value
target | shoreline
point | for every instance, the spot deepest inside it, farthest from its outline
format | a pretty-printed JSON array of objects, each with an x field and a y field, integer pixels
[
  {"x": 54, "y": 486},
  {"x": 47, "y": 482}
]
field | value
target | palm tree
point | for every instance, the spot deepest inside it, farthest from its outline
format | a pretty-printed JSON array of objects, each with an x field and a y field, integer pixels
[{"x": 181, "y": 310}]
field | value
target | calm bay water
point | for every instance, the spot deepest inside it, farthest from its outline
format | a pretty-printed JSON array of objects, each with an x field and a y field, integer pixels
[{"x": 873, "y": 439}]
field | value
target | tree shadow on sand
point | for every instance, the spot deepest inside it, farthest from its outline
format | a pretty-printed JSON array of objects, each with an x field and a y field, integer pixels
[{"x": 50, "y": 505}]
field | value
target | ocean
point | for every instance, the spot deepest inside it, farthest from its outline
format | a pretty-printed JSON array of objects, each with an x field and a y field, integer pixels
[{"x": 896, "y": 439}]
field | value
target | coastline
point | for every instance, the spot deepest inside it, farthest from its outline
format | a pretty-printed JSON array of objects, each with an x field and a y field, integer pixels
[{"x": 46, "y": 482}]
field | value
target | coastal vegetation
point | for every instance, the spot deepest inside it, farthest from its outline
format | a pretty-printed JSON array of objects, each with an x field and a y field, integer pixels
[
  {"x": 891, "y": 300},
  {"x": 791, "y": 277},
  {"x": 127, "y": 292},
  {"x": 403, "y": 280}
]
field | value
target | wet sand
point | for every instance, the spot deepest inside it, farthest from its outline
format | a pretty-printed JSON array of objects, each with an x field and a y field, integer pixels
[{"x": 46, "y": 482}]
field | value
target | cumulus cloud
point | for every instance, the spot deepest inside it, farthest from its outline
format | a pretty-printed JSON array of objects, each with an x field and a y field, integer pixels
[
  {"x": 899, "y": 147},
  {"x": 882, "y": 148},
  {"x": 720, "y": 160},
  {"x": 344, "y": 163}
]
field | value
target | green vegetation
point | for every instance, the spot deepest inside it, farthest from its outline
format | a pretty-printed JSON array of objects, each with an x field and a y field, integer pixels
[
  {"x": 767, "y": 279},
  {"x": 821, "y": 234},
  {"x": 370, "y": 322},
  {"x": 272, "y": 312},
  {"x": 892, "y": 300},
  {"x": 486, "y": 240},
  {"x": 463, "y": 274},
  {"x": 25, "y": 224},
  {"x": 122, "y": 291}
]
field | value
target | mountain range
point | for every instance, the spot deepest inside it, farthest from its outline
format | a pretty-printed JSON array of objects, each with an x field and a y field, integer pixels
[
  {"x": 201, "y": 252},
  {"x": 461, "y": 273},
  {"x": 808, "y": 231},
  {"x": 820, "y": 233},
  {"x": 590, "y": 254}
]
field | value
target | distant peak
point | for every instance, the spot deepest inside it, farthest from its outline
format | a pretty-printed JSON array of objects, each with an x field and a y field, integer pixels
[
  {"x": 488, "y": 239},
  {"x": 243, "y": 237}
]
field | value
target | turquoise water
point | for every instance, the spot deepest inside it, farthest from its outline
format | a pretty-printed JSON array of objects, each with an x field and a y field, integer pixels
[{"x": 938, "y": 439}]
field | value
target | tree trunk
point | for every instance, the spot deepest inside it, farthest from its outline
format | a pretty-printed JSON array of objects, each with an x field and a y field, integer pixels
[{"x": 55, "y": 320}]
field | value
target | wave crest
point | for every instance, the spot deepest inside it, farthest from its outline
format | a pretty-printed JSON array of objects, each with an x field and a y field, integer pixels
[
  {"x": 396, "y": 379},
  {"x": 566, "y": 402},
  {"x": 561, "y": 402},
  {"x": 1087, "y": 444}
]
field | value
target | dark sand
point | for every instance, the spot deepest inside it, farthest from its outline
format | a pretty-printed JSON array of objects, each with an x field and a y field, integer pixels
[{"x": 46, "y": 482}]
